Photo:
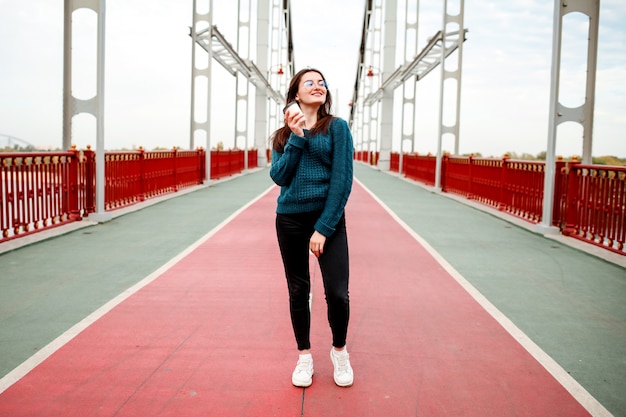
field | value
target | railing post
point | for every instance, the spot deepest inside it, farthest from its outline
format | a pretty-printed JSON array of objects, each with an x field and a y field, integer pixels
[
  {"x": 90, "y": 180},
  {"x": 444, "y": 171},
  {"x": 201, "y": 171},
  {"x": 223, "y": 163},
  {"x": 571, "y": 207},
  {"x": 255, "y": 158},
  {"x": 142, "y": 174},
  {"x": 205, "y": 168},
  {"x": 73, "y": 209},
  {"x": 405, "y": 165},
  {"x": 214, "y": 167},
  {"x": 174, "y": 171},
  {"x": 505, "y": 164},
  {"x": 470, "y": 177},
  {"x": 560, "y": 193}
]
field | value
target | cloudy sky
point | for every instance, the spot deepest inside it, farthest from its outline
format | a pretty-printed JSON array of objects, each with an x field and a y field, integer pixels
[{"x": 505, "y": 84}]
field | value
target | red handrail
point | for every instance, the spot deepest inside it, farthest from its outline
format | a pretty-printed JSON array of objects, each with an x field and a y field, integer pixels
[
  {"x": 419, "y": 168},
  {"x": 37, "y": 191},
  {"x": 369, "y": 157},
  {"x": 589, "y": 200},
  {"x": 596, "y": 206},
  {"x": 43, "y": 190},
  {"x": 225, "y": 163}
]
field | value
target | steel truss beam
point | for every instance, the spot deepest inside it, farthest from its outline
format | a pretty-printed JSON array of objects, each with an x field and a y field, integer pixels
[
  {"x": 356, "y": 94},
  {"x": 205, "y": 36},
  {"x": 223, "y": 52},
  {"x": 436, "y": 52},
  {"x": 280, "y": 69},
  {"x": 426, "y": 61}
]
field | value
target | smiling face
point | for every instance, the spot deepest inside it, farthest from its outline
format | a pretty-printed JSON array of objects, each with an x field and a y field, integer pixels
[{"x": 312, "y": 89}]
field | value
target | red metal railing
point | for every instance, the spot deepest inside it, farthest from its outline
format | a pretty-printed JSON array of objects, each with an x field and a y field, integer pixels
[
  {"x": 35, "y": 191},
  {"x": 394, "y": 162},
  {"x": 226, "y": 163},
  {"x": 135, "y": 176},
  {"x": 43, "y": 190},
  {"x": 123, "y": 178},
  {"x": 40, "y": 191},
  {"x": 522, "y": 191},
  {"x": 513, "y": 186},
  {"x": 589, "y": 200},
  {"x": 419, "y": 168},
  {"x": 595, "y": 209},
  {"x": 368, "y": 157}
]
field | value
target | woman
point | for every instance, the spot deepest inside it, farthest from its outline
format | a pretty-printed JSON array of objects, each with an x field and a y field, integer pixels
[{"x": 312, "y": 163}]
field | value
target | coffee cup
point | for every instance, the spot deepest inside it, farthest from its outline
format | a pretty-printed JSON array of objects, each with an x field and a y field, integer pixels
[{"x": 293, "y": 108}]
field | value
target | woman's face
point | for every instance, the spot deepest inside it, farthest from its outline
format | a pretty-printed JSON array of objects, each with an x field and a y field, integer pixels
[{"x": 311, "y": 90}]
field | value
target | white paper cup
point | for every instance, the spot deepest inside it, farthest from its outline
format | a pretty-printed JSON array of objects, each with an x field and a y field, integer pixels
[{"x": 292, "y": 108}]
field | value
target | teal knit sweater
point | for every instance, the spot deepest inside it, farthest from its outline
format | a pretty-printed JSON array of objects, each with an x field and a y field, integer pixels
[{"x": 315, "y": 174}]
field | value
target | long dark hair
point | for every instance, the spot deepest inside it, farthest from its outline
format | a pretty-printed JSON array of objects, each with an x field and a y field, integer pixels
[{"x": 279, "y": 137}]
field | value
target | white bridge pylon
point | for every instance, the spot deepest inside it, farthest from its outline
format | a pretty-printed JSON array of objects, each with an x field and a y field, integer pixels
[
  {"x": 274, "y": 48},
  {"x": 372, "y": 116},
  {"x": 378, "y": 76},
  {"x": 273, "y": 56}
]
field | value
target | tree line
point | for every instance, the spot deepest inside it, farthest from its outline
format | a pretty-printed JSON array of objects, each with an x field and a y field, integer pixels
[{"x": 541, "y": 156}]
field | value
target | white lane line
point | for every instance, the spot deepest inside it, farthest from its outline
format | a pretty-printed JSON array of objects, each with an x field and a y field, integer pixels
[
  {"x": 28, "y": 365},
  {"x": 566, "y": 380}
]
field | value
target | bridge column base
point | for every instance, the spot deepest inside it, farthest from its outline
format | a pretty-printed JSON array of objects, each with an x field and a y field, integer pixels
[{"x": 100, "y": 217}]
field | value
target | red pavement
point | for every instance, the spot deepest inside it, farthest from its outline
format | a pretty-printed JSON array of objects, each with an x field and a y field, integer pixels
[{"x": 211, "y": 337}]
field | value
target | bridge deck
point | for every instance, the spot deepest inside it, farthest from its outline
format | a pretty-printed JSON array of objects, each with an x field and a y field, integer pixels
[{"x": 181, "y": 309}]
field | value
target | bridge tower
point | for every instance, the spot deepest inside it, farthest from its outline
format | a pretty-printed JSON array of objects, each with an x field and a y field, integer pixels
[
  {"x": 372, "y": 103},
  {"x": 95, "y": 105},
  {"x": 560, "y": 113},
  {"x": 272, "y": 19}
]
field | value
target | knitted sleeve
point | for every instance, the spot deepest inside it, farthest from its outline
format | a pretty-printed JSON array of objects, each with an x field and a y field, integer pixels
[
  {"x": 340, "y": 177},
  {"x": 284, "y": 164}
]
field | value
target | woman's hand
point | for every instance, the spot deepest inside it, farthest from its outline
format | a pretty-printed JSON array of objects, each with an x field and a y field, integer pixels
[
  {"x": 316, "y": 244},
  {"x": 296, "y": 122}
]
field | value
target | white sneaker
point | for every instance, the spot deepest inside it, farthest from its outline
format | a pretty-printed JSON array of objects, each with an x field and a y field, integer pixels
[
  {"x": 303, "y": 374},
  {"x": 343, "y": 375}
]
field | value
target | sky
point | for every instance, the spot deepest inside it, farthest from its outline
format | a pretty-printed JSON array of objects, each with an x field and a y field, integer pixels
[{"x": 505, "y": 84}]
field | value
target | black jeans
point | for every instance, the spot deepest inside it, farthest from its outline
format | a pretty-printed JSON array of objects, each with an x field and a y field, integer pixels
[{"x": 294, "y": 232}]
